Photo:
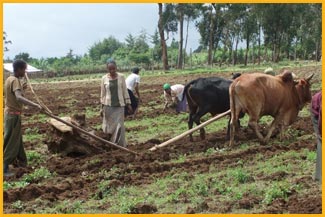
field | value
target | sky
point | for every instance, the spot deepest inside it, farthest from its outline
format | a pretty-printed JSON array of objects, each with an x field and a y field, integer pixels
[{"x": 51, "y": 30}]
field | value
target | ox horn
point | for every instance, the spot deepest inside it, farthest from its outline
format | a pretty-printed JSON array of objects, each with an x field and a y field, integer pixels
[
  {"x": 309, "y": 77},
  {"x": 294, "y": 76}
]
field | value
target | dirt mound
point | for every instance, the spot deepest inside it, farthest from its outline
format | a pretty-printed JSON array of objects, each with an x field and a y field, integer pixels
[
  {"x": 72, "y": 142},
  {"x": 143, "y": 209}
]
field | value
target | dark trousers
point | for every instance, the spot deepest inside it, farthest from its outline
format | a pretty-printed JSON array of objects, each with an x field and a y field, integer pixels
[
  {"x": 318, "y": 173},
  {"x": 13, "y": 141},
  {"x": 134, "y": 103}
]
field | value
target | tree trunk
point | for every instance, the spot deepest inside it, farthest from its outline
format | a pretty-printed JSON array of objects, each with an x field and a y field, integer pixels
[
  {"x": 211, "y": 39},
  {"x": 162, "y": 38},
  {"x": 296, "y": 45},
  {"x": 180, "y": 47},
  {"x": 259, "y": 45},
  {"x": 235, "y": 52},
  {"x": 230, "y": 52},
  {"x": 186, "y": 38},
  {"x": 247, "y": 48}
]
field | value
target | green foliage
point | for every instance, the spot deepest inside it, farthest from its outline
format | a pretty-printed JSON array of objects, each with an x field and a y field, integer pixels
[
  {"x": 18, "y": 204},
  {"x": 105, "y": 47},
  {"x": 18, "y": 184},
  {"x": 277, "y": 190},
  {"x": 240, "y": 175},
  {"x": 181, "y": 159},
  {"x": 32, "y": 136},
  {"x": 92, "y": 112},
  {"x": 95, "y": 161},
  {"x": 104, "y": 189},
  {"x": 311, "y": 155},
  {"x": 38, "y": 175},
  {"x": 68, "y": 207},
  {"x": 210, "y": 151},
  {"x": 34, "y": 157}
]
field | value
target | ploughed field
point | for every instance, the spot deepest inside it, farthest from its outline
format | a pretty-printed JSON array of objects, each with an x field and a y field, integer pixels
[{"x": 184, "y": 177}]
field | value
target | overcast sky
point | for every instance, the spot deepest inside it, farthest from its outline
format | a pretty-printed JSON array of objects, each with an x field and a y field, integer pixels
[{"x": 50, "y": 30}]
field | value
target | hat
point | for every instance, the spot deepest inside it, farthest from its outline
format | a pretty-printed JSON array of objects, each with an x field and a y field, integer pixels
[
  {"x": 110, "y": 61},
  {"x": 166, "y": 86},
  {"x": 135, "y": 70}
]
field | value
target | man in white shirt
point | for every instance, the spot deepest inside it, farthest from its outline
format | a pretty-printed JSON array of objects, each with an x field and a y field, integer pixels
[
  {"x": 132, "y": 84},
  {"x": 174, "y": 94}
]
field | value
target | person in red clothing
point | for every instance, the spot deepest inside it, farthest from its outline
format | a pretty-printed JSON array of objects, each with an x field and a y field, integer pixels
[{"x": 316, "y": 116}]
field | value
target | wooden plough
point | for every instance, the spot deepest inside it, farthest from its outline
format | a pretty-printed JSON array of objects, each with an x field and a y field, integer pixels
[
  {"x": 190, "y": 131},
  {"x": 49, "y": 113}
]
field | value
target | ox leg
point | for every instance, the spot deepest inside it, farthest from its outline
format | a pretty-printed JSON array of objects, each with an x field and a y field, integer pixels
[
  {"x": 201, "y": 112},
  {"x": 232, "y": 132},
  {"x": 274, "y": 123},
  {"x": 190, "y": 125},
  {"x": 237, "y": 125},
  {"x": 202, "y": 131},
  {"x": 197, "y": 118},
  {"x": 233, "y": 126},
  {"x": 253, "y": 124}
]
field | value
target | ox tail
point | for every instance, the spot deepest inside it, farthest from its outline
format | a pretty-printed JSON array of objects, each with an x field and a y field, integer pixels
[
  {"x": 233, "y": 116},
  {"x": 186, "y": 91}
]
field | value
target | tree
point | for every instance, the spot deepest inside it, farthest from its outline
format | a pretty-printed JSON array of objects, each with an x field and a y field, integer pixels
[
  {"x": 130, "y": 41},
  {"x": 6, "y": 42},
  {"x": 156, "y": 50},
  {"x": 161, "y": 24},
  {"x": 184, "y": 12},
  {"x": 23, "y": 56},
  {"x": 106, "y": 47},
  {"x": 211, "y": 27},
  {"x": 232, "y": 34},
  {"x": 249, "y": 28}
]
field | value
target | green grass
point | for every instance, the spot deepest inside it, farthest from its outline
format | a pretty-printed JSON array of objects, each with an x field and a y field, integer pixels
[
  {"x": 33, "y": 137},
  {"x": 172, "y": 72},
  {"x": 38, "y": 175},
  {"x": 159, "y": 127},
  {"x": 91, "y": 112},
  {"x": 174, "y": 192},
  {"x": 37, "y": 118},
  {"x": 34, "y": 157}
]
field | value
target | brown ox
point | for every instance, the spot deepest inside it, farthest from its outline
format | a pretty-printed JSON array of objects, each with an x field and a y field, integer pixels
[{"x": 260, "y": 94}]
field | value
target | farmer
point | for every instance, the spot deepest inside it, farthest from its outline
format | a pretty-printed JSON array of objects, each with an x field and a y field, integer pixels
[
  {"x": 316, "y": 116},
  {"x": 132, "y": 84},
  {"x": 13, "y": 148},
  {"x": 174, "y": 96},
  {"x": 114, "y": 100}
]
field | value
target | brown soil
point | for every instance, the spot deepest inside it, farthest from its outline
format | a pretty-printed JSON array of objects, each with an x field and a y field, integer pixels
[{"x": 72, "y": 181}]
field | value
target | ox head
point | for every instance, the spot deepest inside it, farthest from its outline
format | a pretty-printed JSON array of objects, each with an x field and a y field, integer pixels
[
  {"x": 235, "y": 75},
  {"x": 303, "y": 89}
]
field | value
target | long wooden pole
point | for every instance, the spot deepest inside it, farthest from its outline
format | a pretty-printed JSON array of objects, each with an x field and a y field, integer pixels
[
  {"x": 190, "y": 131},
  {"x": 89, "y": 134}
]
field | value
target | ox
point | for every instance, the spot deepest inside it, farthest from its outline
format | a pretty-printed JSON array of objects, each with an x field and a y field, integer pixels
[
  {"x": 260, "y": 94},
  {"x": 207, "y": 95}
]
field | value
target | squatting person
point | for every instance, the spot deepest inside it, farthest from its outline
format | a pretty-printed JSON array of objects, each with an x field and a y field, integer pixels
[{"x": 174, "y": 96}]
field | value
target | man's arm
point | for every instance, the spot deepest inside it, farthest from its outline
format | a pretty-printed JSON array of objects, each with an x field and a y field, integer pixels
[
  {"x": 136, "y": 88},
  {"x": 25, "y": 101}
]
